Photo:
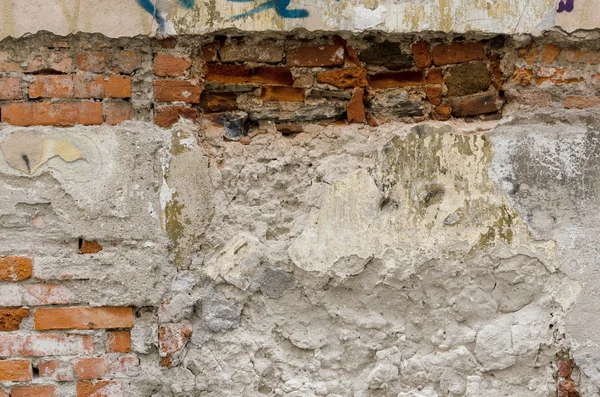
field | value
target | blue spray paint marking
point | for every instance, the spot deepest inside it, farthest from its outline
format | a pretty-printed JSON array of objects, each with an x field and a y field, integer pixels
[
  {"x": 280, "y": 6},
  {"x": 566, "y": 5},
  {"x": 150, "y": 9}
]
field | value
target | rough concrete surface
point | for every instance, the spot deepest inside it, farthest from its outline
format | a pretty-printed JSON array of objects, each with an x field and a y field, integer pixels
[{"x": 439, "y": 259}]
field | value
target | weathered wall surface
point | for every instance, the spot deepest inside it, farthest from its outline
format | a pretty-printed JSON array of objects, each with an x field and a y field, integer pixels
[
  {"x": 300, "y": 215},
  {"x": 116, "y": 18}
]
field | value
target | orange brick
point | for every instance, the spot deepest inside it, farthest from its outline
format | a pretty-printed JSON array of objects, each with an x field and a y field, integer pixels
[
  {"x": 3, "y": 393},
  {"x": 442, "y": 112},
  {"x": 47, "y": 344},
  {"x": 102, "y": 388},
  {"x": 10, "y": 88},
  {"x": 457, "y": 52},
  {"x": 15, "y": 370},
  {"x": 434, "y": 76},
  {"x": 83, "y": 318},
  {"x": 116, "y": 86},
  {"x": 117, "y": 112},
  {"x": 355, "y": 109},
  {"x": 92, "y": 61},
  {"x": 581, "y": 56},
  {"x": 344, "y": 78},
  {"x": 90, "y": 368},
  {"x": 15, "y": 268},
  {"x": 10, "y": 319},
  {"x": 397, "y": 79},
  {"x": 51, "y": 87},
  {"x": 166, "y": 65},
  {"x": 237, "y": 74},
  {"x": 34, "y": 391},
  {"x": 85, "y": 86},
  {"x": 523, "y": 76},
  {"x": 581, "y": 102},
  {"x": 421, "y": 54},
  {"x": 57, "y": 370},
  {"x": 118, "y": 342},
  {"x": 47, "y": 294},
  {"x": 89, "y": 247},
  {"x": 65, "y": 114},
  {"x": 282, "y": 94},
  {"x": 177, "y": 90},
  {"x": 434, "y": 93},
  {"x": 166, "y": 116},
  {"x": 221, "y": 102},
  {"x": 329, "y": 55},
  {"x": 550, "y": 53}
]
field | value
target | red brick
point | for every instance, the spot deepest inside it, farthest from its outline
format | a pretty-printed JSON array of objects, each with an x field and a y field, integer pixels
[
  {"x": 117, "y": 112},
  {"x": 15, "y": 268},
  {"x": 434, "y": 93},
  {"x": 421, "y": 54},
  {"x": 92, "y": 61},
  {"x": 355, "y": 109},
  {"x": 51, "y": 87},
  {"x": 344, "y": 78},
  {"x": 10, "y": 319},
  {"x": 564, "y": 368},
  {"x": 209, "y": 52},
  {"x": 90, "y": 368},
  {"x": 113, "y": 86},
  {"x": 47, "y": 344},
  {"x": 46, "y": 60},
  {"x": 10, "y": 88},
  {"x": 89, "y": 247},
  {"x": 166, "y": 116},
  {"x": 15, "y": 371},
  {"x": 85, "y": 86},
  {"x": 221, "y": 102},
  {"x": 282, "y": 94},
  {"x": 236, "y": 74},
  {"x": 457, "y": 52},
  {"x": 63, "y": 114},
  {"x": 57, "y": 370},
  {"x": 166, "y": 65},
  {"x": 118, "y": 342},
  {"x": 47, "y": 294},
  {"x": 102, "y": 388},
  {"x": 531, "y": 98},
  {"x": 177, "y": 90},
  {"x": 473, "y": 105},
  {"x": 125, "y": 367},
  {"x": 581, "y": 102},
  {"x": 397, "y": 79},
  {"x": 83, "y": 318},
  {"x": 3, "y": 393},
  {"x": 34, "y": 391},
  {"x": 329, "y": 55},
  {"x": 126, "y": 61},
  {"x": 171, "y": 338}
]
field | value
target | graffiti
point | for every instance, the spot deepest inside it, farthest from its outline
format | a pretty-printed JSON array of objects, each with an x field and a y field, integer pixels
[
  {"x": 159, "y": 9},
  {"x": 565, "y": 5},
  {"x": 280, "y": 7}
]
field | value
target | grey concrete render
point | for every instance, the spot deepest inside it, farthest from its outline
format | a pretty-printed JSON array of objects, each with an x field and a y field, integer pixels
[{"x": 404, "y": 260}]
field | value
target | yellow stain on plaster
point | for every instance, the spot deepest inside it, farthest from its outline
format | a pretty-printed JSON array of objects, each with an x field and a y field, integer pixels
[
  {"x": 8, "y": 18},
  {"x": 71, "y": 18},
  {"x": 27, "y": 152}
]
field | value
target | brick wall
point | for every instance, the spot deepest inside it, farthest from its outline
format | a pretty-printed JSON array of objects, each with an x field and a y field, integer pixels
[
  {"x": 50, "y": 343},
  {"x": 292, "y": 80}
]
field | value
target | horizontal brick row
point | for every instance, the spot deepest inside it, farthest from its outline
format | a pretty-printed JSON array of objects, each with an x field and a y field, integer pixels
[{"x": 65, "y": 114}]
